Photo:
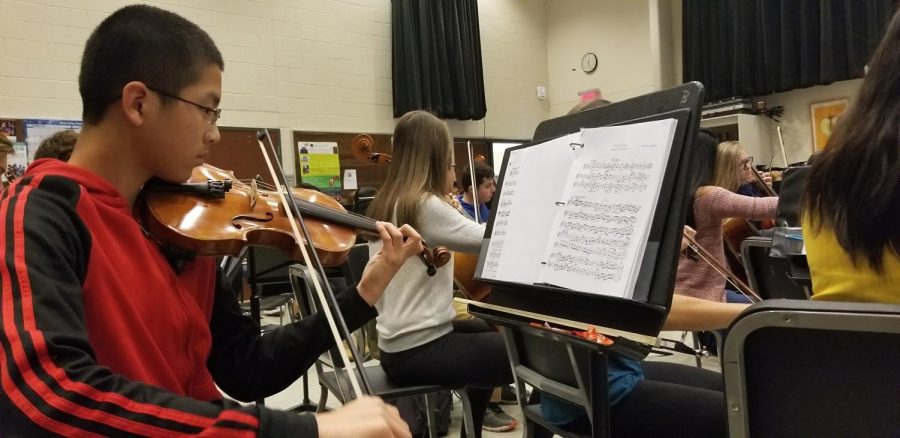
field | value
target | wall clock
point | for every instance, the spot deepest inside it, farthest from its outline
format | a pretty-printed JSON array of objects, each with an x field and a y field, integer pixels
[{"x": 589, "y": 62}]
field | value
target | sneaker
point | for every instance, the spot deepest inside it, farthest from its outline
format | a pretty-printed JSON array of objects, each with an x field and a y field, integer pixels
[
  {"x": 508, "y": 395},
  {"x": 495, "y": 420}
]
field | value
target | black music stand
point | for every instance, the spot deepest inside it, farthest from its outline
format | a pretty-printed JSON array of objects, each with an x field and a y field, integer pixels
[{"x": 563, "y": 365}]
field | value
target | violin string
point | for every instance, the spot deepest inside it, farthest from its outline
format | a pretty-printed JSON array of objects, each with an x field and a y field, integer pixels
[
  {"x": 266, "y": 186},
  {"x": 316, "y": 270}
]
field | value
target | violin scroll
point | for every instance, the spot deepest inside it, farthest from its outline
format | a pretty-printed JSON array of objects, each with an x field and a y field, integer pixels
[
  {"x": 434, "y": 259},
  {"x": 362, "y": 146}
]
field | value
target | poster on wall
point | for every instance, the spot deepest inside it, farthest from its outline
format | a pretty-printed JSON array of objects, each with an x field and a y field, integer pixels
[
  {"x": 824, "y": 116},
  {"x": 36, "y": 130},
  {"x": 320, "y": 166}
]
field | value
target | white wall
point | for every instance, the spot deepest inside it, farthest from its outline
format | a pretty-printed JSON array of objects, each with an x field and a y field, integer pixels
[
  {"x": 318, "y": 65},
  {"x": 617, "y": 31},
  {"x": 795, "y": 125},
  {"x": 514, "y": 54}
]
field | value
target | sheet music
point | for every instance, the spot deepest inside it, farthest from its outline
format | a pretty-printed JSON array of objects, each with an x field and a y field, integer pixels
[
  {"x": 602, "y": 229},
  {"x": 595, "y": 217},
  {"x": 533, "y": 180}
]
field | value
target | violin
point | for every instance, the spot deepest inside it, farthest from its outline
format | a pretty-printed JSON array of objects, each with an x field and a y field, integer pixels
[
  {"x": 464, "y": 265},
  {"x": 216, "y": 214}
]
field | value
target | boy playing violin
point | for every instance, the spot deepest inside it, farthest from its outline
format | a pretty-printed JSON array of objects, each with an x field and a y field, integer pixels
[{"x": 101, "y": 336}]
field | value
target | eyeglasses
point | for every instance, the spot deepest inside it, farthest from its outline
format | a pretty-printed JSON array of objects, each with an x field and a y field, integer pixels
[
  {"x": 212, "y": 114},
  {"x": 747, "y": 162}
]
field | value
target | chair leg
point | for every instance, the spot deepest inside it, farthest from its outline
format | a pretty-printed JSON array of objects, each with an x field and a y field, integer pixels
[
  {"x": 468, "y": 422},
  {"x": 430, "y": 403},
  {"x": 323, "y": 398},
  {"x": 697, "y": 347}
]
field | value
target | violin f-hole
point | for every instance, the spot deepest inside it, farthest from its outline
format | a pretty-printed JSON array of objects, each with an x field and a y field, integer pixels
[{"x": 249, "y": 218}]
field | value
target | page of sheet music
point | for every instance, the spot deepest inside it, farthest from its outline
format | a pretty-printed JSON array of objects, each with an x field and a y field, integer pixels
[
  {"x": 532, "y": 181},
  {"x": 599, "y": 234}
]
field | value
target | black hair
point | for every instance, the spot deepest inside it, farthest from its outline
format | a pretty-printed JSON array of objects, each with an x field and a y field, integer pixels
[
  {"x": 854, "y": 184},
  {"x": 703, "y": 166},
  {"x": 482, "y": 172},
  {"x": 141, "y": 43}
]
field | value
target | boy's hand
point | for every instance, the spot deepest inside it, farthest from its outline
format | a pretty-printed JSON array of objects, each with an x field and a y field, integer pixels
[
  {"x": 366, "y": 417},
  {"x": 398, "y": 244}
]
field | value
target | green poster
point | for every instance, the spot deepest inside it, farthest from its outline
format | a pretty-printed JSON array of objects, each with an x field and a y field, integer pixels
[{"x": 320, "y": 165}]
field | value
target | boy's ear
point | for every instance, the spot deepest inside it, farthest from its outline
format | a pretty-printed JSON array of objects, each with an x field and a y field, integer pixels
[{"x": 134, "y": 101}]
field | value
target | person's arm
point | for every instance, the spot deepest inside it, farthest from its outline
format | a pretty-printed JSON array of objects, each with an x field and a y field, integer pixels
[
  {"x": 724, "y": 204},
  {"x": 51, "y": 380},
  {"x": 692, "y": 314},
  {"x": 248, "y": 366},
  {"x": 444, "y": 226}
]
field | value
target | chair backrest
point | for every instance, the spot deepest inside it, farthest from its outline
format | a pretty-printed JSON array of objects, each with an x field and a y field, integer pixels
[
  {"x": 559, "y": 366},
  {"x": 769, "y": 276},
  {"x": 270, "y": 267},
  {"x": 813, "y": 368},
  {"x": 792, "y": 185},
  {"x": 356, "y": 262}
]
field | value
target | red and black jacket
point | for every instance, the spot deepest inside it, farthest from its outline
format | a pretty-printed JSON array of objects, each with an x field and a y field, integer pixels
[{"x": 101, "y": 337}]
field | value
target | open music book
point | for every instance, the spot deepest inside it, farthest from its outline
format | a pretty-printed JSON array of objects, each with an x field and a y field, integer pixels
[{"x": 575, "y": 212}]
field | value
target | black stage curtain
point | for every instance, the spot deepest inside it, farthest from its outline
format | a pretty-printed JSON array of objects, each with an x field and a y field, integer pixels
[
  {"x": 437, "y": 58},
  {"x": 756, "y": 47}
]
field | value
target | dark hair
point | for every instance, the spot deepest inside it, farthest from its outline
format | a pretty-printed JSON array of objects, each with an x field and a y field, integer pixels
[
  {"x": 482, "y": 172},
  {"x": 854, "y": 184},
  {"x": 141, "y": 43},
  {"x": 703, "y": 166},
  {"x": 58, "y": 145}
]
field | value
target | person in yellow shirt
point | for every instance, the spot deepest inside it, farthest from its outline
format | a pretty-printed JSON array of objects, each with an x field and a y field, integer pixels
[{"x": 851, "y": 221}]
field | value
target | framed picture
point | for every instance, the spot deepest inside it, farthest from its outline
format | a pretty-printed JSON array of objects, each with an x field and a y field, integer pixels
[{"x": 824, "y": 116}]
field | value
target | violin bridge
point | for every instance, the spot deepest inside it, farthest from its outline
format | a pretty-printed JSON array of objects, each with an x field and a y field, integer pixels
[{"x": 254, "y": 194}]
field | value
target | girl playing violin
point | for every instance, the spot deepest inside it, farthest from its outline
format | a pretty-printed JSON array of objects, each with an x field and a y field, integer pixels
[
  {"x": 420, "y": 343},
  {"x": 720, "y": 170}
]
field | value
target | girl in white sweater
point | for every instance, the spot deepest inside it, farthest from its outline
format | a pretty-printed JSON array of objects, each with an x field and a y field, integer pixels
[{"x": 419, "y": 341}]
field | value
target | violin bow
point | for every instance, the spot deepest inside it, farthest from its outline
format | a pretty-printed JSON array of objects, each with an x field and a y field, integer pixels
[
  {"x": 742, "y": 287},
  {"x": 781, "y": 144},
  {"x": 475, "y": 205},
  {"x": 317, "y": 272}
]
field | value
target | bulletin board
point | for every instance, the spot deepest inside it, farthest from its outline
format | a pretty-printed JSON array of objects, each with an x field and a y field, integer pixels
[{"x": 367, "y": 173}]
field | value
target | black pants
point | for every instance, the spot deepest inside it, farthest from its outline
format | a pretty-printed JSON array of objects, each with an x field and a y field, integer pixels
[
  {"x": 673, "y": 400},
  {"x": 472, "y": 356}
]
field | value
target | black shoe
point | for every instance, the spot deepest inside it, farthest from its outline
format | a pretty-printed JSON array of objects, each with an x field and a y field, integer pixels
[
  {"x": 495, "y": 420},
  {"x": 508, "y": 395}
]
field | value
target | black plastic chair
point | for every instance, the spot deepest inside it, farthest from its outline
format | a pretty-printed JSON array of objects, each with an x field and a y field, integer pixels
[
  {"x": 767, "y": 275},
  {"x": 813, "y": 368}
]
